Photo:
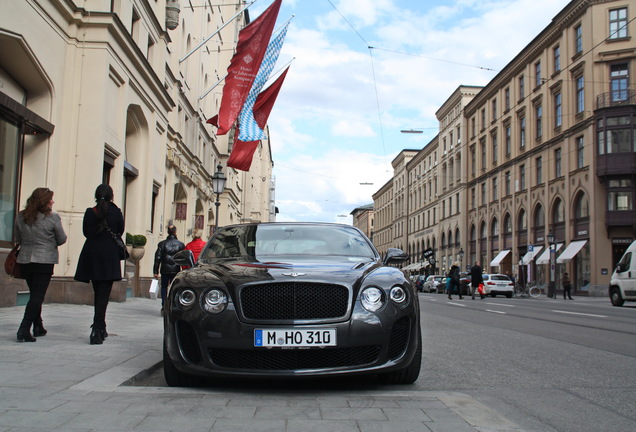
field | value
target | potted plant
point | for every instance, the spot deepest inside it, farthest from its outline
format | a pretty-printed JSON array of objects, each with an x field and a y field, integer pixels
[
  {"x": 129, "y": 242},
  {"x": 138, "y": 242}
]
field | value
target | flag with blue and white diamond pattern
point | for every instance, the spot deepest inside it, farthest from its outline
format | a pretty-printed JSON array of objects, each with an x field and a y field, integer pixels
[{"x": 248, "y": 128}]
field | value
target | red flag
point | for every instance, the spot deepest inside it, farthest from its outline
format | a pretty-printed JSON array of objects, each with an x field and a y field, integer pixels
[
  {"x": 250, "y": 50},
  {"x": 243, "y": 152}
]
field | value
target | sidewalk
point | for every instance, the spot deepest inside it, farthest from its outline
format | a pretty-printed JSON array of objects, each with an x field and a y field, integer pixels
[{"x": 61, "y": 383}]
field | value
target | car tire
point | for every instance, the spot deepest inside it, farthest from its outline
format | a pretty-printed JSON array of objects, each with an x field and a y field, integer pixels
[
  {"x": 409, "y": 374},
  {"x": 509, "y": 295},
  {"x": 493, "y": 294},
  {"x": 616, "y": 298},
  {"x": 174, "y": 377}
]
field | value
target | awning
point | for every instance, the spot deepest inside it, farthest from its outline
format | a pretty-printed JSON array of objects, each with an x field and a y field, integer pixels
[
  {"x": 415, "y": 266},
  {"x": 571, "y": 251},
  {"x": 499, "y": 258},
  {"x": 545, "y": 256},
  {"x": 528, "y": 257}
]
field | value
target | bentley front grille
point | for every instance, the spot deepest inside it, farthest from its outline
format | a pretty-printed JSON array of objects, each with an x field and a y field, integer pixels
[{"x": 294, "y": 301}]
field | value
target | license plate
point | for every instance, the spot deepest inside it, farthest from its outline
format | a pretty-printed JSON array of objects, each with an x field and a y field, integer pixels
[{"x": 294, "y": 338}]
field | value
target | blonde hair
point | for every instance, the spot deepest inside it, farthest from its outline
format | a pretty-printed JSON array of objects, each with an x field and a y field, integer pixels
[{"x": 196, "y": 233}]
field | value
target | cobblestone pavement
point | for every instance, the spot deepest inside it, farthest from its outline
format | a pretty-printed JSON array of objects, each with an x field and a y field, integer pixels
[{"x": 61, "y": 383}]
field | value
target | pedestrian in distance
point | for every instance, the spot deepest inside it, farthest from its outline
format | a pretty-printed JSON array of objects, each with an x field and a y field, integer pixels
[
  {"x": 476, "y": 278},
  {"x": 100, "y": 259},
  {"x": 39, "y": 232},
  {"x": 164, "y": 263},
  {"x": 453, "y": 275},
  {"x": 567, "y": 286},
  {"x": 196, "y": 245}
]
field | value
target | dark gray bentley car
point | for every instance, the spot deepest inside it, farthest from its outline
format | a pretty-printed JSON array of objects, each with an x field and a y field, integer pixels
[{"x": 291, "y": 300}]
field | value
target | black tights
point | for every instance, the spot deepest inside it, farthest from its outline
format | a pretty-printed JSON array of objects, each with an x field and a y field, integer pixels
[
  {"x": 38, "y": 277},
  {"x": 102, "y": 294}
]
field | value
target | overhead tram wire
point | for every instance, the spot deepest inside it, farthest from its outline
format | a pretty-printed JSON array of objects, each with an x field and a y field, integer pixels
[{"x": 435, "y": 59}]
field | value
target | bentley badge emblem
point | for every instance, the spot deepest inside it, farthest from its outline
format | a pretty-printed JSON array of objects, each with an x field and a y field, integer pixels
[{"x": 294, "y": 274}]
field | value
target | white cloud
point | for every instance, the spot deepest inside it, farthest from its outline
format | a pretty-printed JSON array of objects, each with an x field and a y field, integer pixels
[{"x": 327, "y": 133}]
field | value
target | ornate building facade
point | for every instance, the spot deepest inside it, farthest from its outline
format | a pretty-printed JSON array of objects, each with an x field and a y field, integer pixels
[
  {"x": 547, "y": 148},
  {"x": 119, "y": 92}
]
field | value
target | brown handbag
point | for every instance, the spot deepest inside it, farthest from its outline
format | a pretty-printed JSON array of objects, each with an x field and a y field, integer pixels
[{"x": 11, "y": 265}]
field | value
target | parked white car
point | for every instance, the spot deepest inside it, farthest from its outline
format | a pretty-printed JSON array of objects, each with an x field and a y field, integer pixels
[{"x": 497, "y": 284}]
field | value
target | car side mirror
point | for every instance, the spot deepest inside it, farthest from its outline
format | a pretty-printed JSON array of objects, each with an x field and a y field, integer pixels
[
  {"x": 394, "y": 255},
  {"x": 184, "y": 258}
]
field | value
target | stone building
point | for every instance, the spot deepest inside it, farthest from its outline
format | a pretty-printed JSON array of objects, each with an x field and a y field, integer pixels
[
  {"x": 116, "y": 91},
  {"x": 546, "y": 148}
]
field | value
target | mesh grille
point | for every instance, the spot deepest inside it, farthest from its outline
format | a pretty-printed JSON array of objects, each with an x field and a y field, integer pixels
[
  {"x": 277, "y": 359},
  {"x": 289, "y": 301},
  {"x": 188, "y": 342},
  {"x": 399, "y": 338}
]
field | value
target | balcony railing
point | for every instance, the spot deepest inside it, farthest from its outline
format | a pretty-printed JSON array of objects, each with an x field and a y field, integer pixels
[{"x": 616, "y": 98}]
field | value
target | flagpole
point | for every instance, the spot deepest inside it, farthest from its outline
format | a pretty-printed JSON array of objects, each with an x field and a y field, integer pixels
[
  {"x": 207, "y": 92},
  {"x": 213, "y": 34},
  {"x": 213, "y": 87}
]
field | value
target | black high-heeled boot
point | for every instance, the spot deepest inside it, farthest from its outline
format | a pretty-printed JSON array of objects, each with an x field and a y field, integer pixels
[
  {"x": 24, "y": 334},
  {"x": 96, "y": 336},
  {"x": 38, "y": 329}
]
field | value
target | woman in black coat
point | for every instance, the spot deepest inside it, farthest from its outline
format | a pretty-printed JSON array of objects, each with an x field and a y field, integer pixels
[{"x": 100, "y": 259}]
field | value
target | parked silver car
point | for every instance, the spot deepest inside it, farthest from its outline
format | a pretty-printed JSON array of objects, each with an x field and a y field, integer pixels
[{"x": 434, "y": 283}]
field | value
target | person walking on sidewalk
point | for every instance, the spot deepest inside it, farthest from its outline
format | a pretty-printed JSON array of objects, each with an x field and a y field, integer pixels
[
  {"x": 476, "y": 278},
  {"x": 39, "y": 232},
  {"x": 99, "y": 261},
  {"x": 164, "y": 264},
  {"x": 453, "y": 275},
  {"x": 567, "y": 286}
]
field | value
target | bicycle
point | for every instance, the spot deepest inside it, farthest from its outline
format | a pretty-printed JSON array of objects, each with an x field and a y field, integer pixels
[{"x": 534, "y": 291}]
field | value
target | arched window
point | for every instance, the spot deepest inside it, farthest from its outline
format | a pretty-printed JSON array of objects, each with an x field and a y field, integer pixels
[
  {"x": 507, "y": 224},
  {"x": 443, "y": 240},
  {"x": 539, "y": 217},
  {"x": 581, "y": 207},
  {"x": 457, "y": 238},
  {"x": 558, "y": 212},
  {"x": 494, "y": 229},
  {"x": 522, "y": 223}
]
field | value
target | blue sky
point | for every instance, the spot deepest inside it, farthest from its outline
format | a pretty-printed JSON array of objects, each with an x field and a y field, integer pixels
[{"x": 337, "y": 120}]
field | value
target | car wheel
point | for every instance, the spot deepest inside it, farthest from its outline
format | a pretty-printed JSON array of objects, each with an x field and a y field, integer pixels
[
  {"x": 409, "y": 374},
  {"x": 615, "y": 297},
  {"x": 509, "y": 295},
  {"x": 493, "y": 294},
  {"x": 174, "y": 377}
]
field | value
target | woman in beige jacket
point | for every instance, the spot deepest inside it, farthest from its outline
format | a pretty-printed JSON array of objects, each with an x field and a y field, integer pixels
[{"x": 39, "y": 232}]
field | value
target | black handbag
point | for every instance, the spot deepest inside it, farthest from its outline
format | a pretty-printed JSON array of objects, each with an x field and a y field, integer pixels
[{"x": 121, "y": 246}]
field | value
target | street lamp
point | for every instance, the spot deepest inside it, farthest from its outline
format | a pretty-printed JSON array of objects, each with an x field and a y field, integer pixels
[
  {"x": 552, "y": 243},
  {"x": 461, "y": 258},
  {"x": 218, "y": 186}
]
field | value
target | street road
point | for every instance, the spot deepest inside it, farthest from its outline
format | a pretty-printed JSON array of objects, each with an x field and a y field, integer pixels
[
  {"x": 542, "y": 363},
  {"x": 546, "y": 365}
]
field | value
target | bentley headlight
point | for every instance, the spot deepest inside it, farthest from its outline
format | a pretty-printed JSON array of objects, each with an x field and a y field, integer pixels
[
  {"x": 372, "y": 299},
  {"x": 186, "y": 298},
  {"x": 398, "y": 296},
  {"x": 214, "y": 301}
]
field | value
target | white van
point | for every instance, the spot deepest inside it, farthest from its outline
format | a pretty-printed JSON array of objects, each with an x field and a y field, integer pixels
[{"x": 622, "y": 287}]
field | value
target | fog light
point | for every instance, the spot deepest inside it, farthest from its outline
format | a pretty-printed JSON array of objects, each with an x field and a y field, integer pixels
[
  {"x": 186, "y": 298},
  {"x": 215, "y": 301},
  {"x": 372, "y": 299}
]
